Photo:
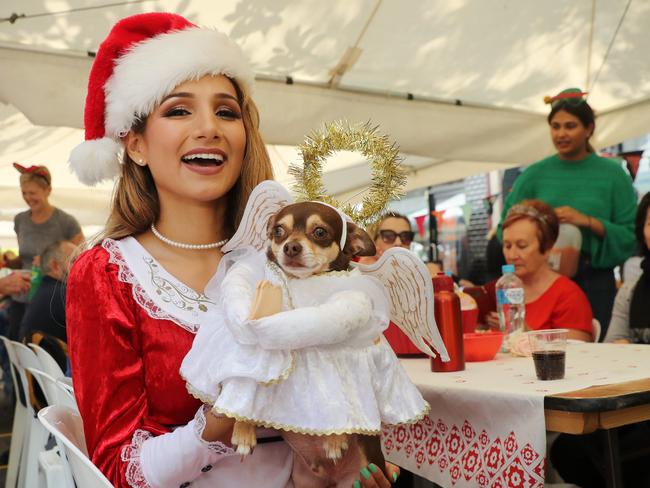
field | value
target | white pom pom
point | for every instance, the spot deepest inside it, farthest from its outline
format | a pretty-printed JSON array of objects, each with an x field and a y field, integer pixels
[{"x": 96, "y": 160}]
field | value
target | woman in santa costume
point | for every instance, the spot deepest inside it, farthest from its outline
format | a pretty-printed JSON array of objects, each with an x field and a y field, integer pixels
[{"x": 176, "y": 99}]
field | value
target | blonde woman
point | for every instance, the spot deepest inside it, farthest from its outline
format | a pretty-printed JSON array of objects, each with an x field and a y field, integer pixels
[{"x": 36, "y": 228}]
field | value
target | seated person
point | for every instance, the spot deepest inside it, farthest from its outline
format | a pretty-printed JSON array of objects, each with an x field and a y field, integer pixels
[
  {"x": 46, "y": 311},
  {"x": 577, "y": 457},
  {"x": 9, "y": 260},
  {"x": 553, "y": 301},
  {"x": 393, "y": 230},
  {"x": 631, "y": 313}
]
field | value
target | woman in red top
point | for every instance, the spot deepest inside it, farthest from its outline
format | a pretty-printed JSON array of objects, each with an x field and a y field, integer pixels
[{"x": 553, "y": 301}]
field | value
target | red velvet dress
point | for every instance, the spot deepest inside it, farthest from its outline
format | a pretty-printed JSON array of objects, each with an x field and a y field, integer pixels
[{"x": 126, "y": 350}]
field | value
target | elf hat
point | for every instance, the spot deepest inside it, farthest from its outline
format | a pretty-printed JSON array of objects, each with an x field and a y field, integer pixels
[
  {"x": 142, "y": 60},
  {"x": 573, "y": 96}
]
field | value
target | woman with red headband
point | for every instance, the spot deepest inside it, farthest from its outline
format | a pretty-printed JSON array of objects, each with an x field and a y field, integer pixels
[
  {"x": 36, "y": 228},
  {"x": 176, "y": 98},
  {"x": 588, "y": 191}
]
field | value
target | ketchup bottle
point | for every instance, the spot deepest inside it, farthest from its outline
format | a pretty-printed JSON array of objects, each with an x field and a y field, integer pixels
[{"x": 450, "y": 325}]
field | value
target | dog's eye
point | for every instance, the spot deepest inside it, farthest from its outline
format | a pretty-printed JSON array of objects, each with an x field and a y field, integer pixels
[
  {"x": 278, "y": 231},
  {"x": 320, "y": 233}
]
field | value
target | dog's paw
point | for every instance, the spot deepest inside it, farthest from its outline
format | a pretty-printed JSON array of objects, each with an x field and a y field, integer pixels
[
  {"x": 243, "y": 437},
  {"x": 243, "y": 449},
  {"x": 335, "y": 446}
]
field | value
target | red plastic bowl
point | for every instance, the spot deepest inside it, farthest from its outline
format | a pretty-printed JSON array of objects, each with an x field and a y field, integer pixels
[
  {"x": 469, "y": 319},
  {"x": 481, "y": 346}
]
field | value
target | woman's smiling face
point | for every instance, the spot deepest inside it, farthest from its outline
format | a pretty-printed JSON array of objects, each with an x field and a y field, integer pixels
[
  {"x": 194, "y": 141},
  {"x": 35, "y": 195}
]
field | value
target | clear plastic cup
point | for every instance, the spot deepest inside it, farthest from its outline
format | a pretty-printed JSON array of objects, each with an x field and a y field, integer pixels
[{"x": 548, "y": 348}]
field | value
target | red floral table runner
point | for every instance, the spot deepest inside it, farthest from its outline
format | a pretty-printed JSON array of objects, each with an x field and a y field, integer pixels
[{"x": 486, "y": 424}]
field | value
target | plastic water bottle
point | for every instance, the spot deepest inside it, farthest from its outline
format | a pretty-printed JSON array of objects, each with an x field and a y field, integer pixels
[
  {"x": 511, "y": 305},
  {"x": 36, "y": 275}
]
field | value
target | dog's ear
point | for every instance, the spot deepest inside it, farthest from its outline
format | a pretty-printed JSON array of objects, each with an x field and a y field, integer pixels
[{"x": 358, "y": 242}]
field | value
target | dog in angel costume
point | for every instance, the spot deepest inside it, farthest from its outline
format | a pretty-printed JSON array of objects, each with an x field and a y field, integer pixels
[{"x": 300, "y": 348}]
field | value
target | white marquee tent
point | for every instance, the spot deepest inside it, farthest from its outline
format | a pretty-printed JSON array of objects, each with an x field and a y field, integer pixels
[{"x": 458, "y": 84}]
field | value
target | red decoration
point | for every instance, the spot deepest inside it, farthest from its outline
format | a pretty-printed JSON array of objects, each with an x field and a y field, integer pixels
[
  {"x": 467, "y": 457},
  {"x": 419, "y": 221}
]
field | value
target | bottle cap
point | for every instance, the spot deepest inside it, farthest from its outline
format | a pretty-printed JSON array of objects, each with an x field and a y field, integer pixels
[
  {"x": 508, "y": 268},
  {"x": 442, "y": 282}
]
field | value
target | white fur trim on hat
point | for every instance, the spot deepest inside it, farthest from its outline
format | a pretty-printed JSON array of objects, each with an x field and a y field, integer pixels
[
  {"x": 137, "y": 82},
  {"x": 153, "y": 68},
  {"x": 96, "y": 160}
]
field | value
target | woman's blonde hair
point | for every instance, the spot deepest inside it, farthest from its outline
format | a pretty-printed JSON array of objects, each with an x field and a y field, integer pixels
[
  {"x": 135, "y": 204},
  {"x": 373, "y": 230},
  {"x": 41, "y": 180}
]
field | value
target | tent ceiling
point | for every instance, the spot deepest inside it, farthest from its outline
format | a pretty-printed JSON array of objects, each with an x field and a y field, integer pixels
[
  {"x": 496, "y": 54},
  {"x": 457, "y": 84}
]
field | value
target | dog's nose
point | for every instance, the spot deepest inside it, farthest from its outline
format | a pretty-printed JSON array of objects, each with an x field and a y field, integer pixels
[{"x": 292, "y": 249}]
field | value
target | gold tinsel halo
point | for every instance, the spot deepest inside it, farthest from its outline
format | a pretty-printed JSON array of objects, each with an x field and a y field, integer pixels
[{"x": 388, "y": 177}]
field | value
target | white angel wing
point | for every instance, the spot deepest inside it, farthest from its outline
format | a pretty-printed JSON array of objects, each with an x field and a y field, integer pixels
[
  {"x": 410, "y": 292},
  {"x": 265, "y": 200}
]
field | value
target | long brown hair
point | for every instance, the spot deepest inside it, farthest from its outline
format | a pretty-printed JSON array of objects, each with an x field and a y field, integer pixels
[{"x": 135, "y": 204}]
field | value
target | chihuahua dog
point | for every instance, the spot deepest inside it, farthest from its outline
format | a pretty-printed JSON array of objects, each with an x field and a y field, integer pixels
[
  {"x": 309, "y": 238},
  {"x": 306, "y": 239}
]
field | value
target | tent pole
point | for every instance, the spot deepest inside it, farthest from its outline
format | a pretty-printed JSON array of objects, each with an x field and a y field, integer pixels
[{"x": 433, "y": 227}]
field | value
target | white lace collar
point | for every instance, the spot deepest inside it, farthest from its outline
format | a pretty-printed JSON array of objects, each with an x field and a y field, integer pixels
[{"x": 159, "y": 293}]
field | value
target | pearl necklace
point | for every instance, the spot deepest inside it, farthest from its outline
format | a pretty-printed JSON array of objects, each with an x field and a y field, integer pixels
[{"x": 182, "y": 245}]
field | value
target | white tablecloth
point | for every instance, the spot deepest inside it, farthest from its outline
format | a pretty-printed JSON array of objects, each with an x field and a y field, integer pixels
[{"x": 486, "y": 425}]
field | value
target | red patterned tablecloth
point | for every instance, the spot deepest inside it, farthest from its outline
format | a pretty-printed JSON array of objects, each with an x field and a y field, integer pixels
[{"x": 486, "y": 424}]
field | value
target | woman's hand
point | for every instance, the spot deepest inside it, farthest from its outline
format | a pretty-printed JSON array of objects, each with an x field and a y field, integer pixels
[
  {"x": 217, "y": 428},
  {"x": 373, "y": 477},
  {"x": 492, "y": 319},
  {"x": 16, "y": 283},
  {"x": 569, "y": 215}
]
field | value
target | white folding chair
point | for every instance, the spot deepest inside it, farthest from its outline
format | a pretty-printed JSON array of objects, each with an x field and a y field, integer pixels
[
  {"x": 35, "y": 434},
  {"x": 48, "y": 363},
  {"x": 55, "y": 391},
  {"x": 66, "y": 426},
  {"x": 20, "y": 420},
  {"x": 65, "y": 384},
  {"x": 53, "y": 465},
  {"x": 595, "y": 330}
]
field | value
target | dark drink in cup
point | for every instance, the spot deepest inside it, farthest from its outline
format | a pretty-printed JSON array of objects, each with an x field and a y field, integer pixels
[
  {"x": 548, "y": 347},
  {"x": 549, "y": 365}
]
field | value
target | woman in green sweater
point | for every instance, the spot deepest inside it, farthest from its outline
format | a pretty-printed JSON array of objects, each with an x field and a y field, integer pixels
[{"x": 588, "y": 191}]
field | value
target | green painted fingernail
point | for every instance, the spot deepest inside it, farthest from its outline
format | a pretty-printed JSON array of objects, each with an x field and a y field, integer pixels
[
  {"x": 394, "y": 477},
  {"x": 365, "y": 473},
  {"x": 356, "y": 484},
  {"x": 372, "y": 468}
]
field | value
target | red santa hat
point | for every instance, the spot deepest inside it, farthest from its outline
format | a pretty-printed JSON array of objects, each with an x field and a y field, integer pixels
[{"x": 142, "y": 60}]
